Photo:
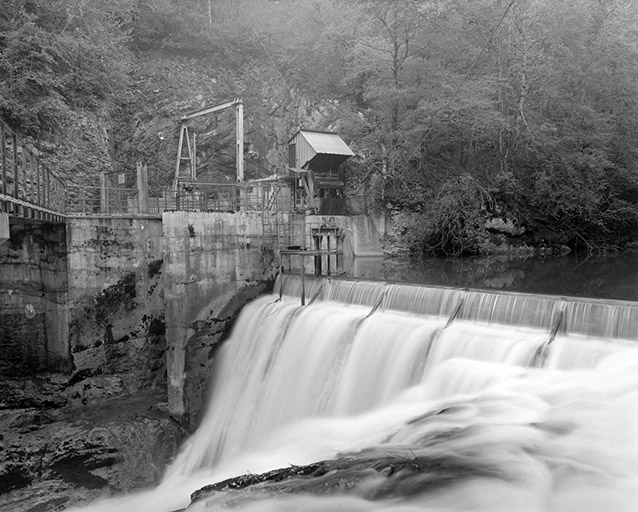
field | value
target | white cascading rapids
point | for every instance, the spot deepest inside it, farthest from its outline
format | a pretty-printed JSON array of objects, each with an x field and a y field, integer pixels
[{"x": 369, "y": 367}]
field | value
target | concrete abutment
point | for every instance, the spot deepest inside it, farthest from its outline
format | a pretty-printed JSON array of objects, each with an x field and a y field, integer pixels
[
  {"x": 33, "y": 298},
  {"x": 136, "y": 301}
]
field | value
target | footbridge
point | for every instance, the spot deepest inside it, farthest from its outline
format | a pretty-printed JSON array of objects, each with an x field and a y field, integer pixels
[
  {"x": 32, "y": 192},
  {"x": 28, "y": 188}
]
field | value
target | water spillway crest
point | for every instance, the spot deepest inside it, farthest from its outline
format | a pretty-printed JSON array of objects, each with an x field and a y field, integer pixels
[{"x": 395, "y": 397}]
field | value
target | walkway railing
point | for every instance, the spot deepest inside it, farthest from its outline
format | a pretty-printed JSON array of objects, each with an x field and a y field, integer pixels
[
  {"x": 204, "y": 197},
  {"x": 27, "y": 187},
  {"x": 83, "y": 200},
  {"x": 30, "y": 190},
  {"x": 230, "y": 197}
]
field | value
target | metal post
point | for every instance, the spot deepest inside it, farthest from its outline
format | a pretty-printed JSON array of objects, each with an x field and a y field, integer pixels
[
  {"x": 142, "y": 188},
  {"x": 194, "y": 158},
  {"x": 3, "y": 161},
  {"x": 16, "y": 171},
  {"x": 65, "y": 199},
  {"x": 317, "y": 242},
  {"x": 303, "y": 280},
  {"x": 104, "y": 195},
  {"x": 239, "y": 135},
  {"x": 179, "y": 155},
  {"x": 46, "y": 195},
  {"x": 38, "y": 182},
  {"x": 31, "y": 177},
  {"x": 328, "y": 257}
]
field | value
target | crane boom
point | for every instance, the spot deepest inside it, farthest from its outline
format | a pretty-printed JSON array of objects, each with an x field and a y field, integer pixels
[
  {"x": 210, "y": 110},
  {"x": 183, "y": 134}
]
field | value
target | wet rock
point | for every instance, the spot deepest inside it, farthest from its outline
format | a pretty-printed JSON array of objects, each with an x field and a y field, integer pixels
[
  {"x": 505, "y": 226},
  {"x": 52, "y": 458},
  {"x": 372, "y": 474},
  {"x": 42, "y": 391},
  {"x": 95, "y": 389}
]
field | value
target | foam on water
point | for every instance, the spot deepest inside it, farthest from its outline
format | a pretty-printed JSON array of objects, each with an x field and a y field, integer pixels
[{"x": 296, "y": 385}]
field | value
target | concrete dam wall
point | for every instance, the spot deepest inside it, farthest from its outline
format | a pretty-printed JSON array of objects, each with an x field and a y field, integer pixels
[
  {"x": 138, "y": 301},
  {"x": 33, "y": 298}
]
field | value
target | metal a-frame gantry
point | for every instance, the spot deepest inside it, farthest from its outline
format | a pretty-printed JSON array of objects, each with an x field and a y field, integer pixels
[{"x": 185, "y": 139}]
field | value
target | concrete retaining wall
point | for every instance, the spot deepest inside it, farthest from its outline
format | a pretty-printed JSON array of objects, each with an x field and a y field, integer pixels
[
  {"x": 116, "y": 322},
  {"x": 215, "y": 262},
  {"x": 33, "y": 294},
  {"x": 140, "y": 298}
]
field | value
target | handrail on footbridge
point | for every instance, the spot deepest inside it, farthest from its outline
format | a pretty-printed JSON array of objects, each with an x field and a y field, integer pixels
[{"x": 28, "y": 188}]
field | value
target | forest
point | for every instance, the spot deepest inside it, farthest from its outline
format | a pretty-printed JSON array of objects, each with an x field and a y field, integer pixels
[{"x": 479, "y": 122}]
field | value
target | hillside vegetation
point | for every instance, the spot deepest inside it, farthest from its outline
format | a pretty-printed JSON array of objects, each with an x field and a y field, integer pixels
[{"x": 476, "y": 122}]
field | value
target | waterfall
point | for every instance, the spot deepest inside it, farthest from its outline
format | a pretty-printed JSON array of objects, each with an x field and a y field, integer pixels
[{"x": 412, "y": 373}]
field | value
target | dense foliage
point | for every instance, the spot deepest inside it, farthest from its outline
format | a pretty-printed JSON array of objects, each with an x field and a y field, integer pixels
[{"x": 461, "y": 112}]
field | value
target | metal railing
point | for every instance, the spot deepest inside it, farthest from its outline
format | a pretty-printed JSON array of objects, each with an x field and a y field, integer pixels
[
  {"x": 83, "y": 200},
  {"x": 229, "y": 197},
  {"x": 202, "y": 197},
  {"x": 27, "y": 187}
]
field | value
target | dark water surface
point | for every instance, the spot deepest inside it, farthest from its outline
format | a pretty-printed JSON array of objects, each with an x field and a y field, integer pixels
[{"x": 610, "y": 276}]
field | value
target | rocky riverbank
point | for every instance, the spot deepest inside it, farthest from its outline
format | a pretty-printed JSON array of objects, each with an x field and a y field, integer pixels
[{"x": 67, "y": 440}]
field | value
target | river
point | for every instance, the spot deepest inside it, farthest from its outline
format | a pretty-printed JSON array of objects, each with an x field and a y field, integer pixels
[{"x": 610, "y": 276}]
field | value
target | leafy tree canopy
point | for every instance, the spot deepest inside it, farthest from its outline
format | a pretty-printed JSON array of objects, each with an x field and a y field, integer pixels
[{"x": 530, "y": 105}]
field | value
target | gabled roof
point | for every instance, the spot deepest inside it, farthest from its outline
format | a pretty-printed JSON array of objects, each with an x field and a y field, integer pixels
[{"x": 326, "y": 143}]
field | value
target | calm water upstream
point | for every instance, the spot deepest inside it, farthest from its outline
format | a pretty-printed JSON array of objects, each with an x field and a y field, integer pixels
[{"x": 612, "y": 276}]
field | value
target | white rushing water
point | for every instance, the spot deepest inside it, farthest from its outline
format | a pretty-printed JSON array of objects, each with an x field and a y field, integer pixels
[{"x": 297, "y": 385}]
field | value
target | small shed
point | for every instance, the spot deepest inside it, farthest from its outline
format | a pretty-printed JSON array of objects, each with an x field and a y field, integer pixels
[
  {"x": 314, "y": 158},
  {"x": 321, "y": 152}
]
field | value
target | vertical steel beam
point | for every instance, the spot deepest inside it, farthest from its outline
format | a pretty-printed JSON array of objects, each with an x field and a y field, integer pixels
[
  {"x": 38, "y": 172},
  {"x": 239, "y": 135},
  {"x": 179, "y": 155},
  {"x": 142, "y": 187},
  {"x": 45, "y": 187},
  {"x": 104, "y": 197},
  {"x": 193, "y": 156}
]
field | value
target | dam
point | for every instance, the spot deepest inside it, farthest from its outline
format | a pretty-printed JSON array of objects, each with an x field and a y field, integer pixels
[
  {"x": 377, "y": 396},
  {"x": 325, "y": 393}
]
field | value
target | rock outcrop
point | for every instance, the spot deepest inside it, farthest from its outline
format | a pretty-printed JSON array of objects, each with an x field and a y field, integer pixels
[{"x": 65, "y": 441}]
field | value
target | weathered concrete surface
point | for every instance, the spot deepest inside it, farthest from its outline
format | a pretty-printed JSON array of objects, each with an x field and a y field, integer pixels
[
  {"x": 360, "y": 237},
  {"x": 214, "y": 263},
  {"x": 102, "y": 425},
  {"x": 364, "y": 234},
  {"x": 115, "y": 299},
  {"x": 4, "y": 228},
  {"x": 33, "y": 295}
]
